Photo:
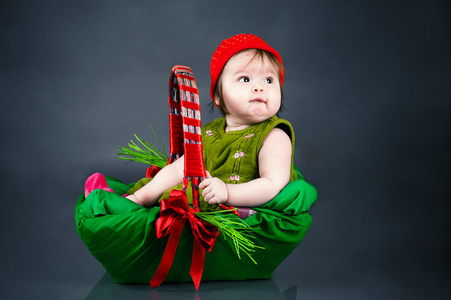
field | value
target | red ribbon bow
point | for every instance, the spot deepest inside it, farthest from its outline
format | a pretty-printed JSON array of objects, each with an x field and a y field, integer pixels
[{"x": 173, "y": 214}]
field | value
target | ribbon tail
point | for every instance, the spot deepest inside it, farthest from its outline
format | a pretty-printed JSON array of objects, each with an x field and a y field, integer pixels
[
  {"x": 197, "y": 263},
  {"x": 168, "y": 256}
]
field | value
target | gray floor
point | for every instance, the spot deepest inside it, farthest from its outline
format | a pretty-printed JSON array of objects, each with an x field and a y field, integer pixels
[{"x": 367, "y": 92}]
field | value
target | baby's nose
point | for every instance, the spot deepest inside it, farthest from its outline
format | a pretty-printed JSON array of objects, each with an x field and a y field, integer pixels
[{"x": 257, "y": 89}]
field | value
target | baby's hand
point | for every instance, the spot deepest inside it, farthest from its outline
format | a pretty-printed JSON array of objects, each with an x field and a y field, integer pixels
[{"x": 215, "y": 190}]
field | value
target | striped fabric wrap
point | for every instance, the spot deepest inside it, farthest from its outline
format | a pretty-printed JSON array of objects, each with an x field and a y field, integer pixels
[{"x": 185, "y": 127}]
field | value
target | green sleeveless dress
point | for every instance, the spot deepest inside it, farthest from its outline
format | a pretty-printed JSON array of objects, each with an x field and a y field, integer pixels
[
  {"x": 233, "y": 156},
  {"x": 121, "y": 234}
]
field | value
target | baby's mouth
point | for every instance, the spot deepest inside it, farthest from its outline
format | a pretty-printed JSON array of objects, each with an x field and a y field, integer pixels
[{"x": 258, "y": 100}]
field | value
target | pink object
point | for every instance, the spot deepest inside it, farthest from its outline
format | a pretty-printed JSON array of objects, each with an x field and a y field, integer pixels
[
  {"x": 94, "y": 182},
  {"x": 244, "y": 212}
]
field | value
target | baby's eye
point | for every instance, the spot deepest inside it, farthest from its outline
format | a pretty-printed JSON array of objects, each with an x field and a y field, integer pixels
[
  {"x": 268, "y": 80},
  {"x": 244, "y": 79}
]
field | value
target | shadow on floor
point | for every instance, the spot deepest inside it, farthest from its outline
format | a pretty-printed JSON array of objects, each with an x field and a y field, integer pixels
[{"x": 106, "y": 288}]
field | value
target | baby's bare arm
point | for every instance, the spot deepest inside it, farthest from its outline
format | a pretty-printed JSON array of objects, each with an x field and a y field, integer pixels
[
  {"x": 274, "y": 166},
  {"x": 168, "y": 177}
]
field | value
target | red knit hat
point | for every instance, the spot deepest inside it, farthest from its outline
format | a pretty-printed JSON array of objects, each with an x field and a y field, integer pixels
[{"x": 234, "y": 45}]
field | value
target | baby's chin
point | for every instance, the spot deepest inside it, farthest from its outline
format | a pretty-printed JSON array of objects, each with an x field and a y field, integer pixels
[
  {"x": 261, "y": 113},
  {"x": 258, "y": 118}
]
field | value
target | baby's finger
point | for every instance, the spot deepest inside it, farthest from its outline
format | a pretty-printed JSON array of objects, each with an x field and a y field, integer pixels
[
  {"x": 205, "y": 193},
  {"x": 204, "y": 183},
  {"x": 208, "y": 196},
  {"x": 213, "y": 200}
]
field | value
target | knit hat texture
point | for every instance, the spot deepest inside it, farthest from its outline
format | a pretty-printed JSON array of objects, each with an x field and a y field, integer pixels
[{"x": 231, "y": 46}]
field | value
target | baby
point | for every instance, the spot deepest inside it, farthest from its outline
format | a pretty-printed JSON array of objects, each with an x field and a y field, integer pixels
[{"x": 249, "y": 151}]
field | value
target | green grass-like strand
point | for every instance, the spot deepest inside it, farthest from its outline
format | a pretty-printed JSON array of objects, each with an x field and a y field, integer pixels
[
  {"x": 237, "y": 230},
  {"x": 148, "y": 154}
]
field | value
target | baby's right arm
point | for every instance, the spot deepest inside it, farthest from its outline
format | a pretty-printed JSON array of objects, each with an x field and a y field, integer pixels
[{"x": 167, "y": 178}]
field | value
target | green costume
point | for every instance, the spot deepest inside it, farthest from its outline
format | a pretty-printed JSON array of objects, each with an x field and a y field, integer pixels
[
  {"x": 233, "y": 156},
  {"x": 121, "y": 234}
]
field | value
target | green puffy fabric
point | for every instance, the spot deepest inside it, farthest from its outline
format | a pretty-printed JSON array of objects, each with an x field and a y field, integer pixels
[{"x": 121, "y": 235}]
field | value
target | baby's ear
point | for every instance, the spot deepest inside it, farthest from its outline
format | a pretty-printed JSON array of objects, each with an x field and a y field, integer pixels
[{"x": 216, "y": 100}]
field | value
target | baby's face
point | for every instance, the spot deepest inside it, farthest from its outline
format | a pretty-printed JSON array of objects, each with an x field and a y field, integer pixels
[{"x": 250, "y": 89}]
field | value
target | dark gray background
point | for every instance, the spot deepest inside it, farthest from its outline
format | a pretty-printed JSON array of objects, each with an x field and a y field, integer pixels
[{"x": 368, "y": 92}]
